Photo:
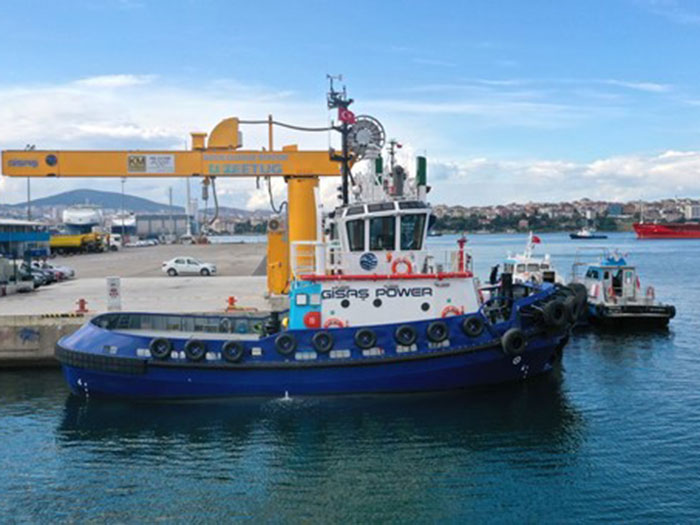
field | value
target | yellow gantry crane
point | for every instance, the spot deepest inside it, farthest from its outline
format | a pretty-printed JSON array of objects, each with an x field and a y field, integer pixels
[{"x": 218, "y": 155}]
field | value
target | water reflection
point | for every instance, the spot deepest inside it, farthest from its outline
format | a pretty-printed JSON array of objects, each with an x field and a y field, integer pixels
[{"x": 530, "y": 412}]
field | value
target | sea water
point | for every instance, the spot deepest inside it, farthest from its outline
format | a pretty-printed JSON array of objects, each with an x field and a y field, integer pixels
[{"x": 613, "y": 434}]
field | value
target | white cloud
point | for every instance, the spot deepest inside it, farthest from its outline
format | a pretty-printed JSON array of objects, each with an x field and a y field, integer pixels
[
  {"x": 650, "y": 87},
  {"x": 115, "y": 81},
  {"x": 481, "y": 181}
]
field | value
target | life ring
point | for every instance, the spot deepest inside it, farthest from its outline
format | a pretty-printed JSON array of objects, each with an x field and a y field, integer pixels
[
  {"x": 513, "y": 342},
  {"x": 650, "y": 292},
  {"x": 333, "y": 322},
  {"x": 406, "y": 262},
  {"x": 405, "y": 335},
  {"x": 322, "y": 342},
  {"x": 160, "y": 348},
  {"x": 195, "y": 350},
  {"x": 450, "y": 310},
  {"x": 437, "y": 331},
  {"x": 232, "y": 351}
]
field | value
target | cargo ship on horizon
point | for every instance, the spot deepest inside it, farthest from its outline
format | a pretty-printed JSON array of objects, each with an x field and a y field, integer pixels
[{"x": 670, "y": 230}]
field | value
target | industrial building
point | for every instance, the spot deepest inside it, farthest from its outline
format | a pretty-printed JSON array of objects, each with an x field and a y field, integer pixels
[
  {"x": 23, "y": 239},
  {"x": 154, "y": 225}
]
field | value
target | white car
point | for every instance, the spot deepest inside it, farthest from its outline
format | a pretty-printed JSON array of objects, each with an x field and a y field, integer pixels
[{"x": 188, "y": 265}]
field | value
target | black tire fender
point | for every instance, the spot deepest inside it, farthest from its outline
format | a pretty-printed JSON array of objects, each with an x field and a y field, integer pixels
[
  {"x": 473, "y": 326},
  {"x": 555, "y": 313},
  {"x": 405, "y": 335},
  {"x": 160, "y": 348},
  {"x": 285, "y": 344},
  {"x": 322, "y": 342},
  {"x": 437, "y": 331},
  {"x": 365, "y": 338},
  {"x": 573, "y": 307},
  {"x": 513, "y": 342},
  {"x": 233, "y": 351},
  {"x": 195, "y": 350}
]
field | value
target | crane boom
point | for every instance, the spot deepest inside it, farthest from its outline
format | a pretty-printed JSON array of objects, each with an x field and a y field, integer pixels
[{"x": 289, "y": 162}]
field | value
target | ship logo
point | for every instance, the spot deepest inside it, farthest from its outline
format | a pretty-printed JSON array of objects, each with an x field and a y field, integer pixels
[{"x": 368, "y": 261}]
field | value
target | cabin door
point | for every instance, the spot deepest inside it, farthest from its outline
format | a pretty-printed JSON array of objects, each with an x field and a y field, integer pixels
[{"x": 629, "y": 283}]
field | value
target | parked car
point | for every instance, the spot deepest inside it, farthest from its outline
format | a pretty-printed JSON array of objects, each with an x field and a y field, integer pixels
[
  {"x": 60, "y": 272},
  {"x": 188, "y": 266}
]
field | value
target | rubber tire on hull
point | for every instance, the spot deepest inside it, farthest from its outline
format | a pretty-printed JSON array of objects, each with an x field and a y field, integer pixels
[
  {"x": 233, "y": 351},
  {"x": 405, "y": 335},
  {"x": 513, "y": 342},
  {"x": 573, "y": 307},
  {"x": 365, "y": 338},
  {"x": 437, "y": 331},
  {"x": 473, "y": 326},
  {"x": 322, "y": 342},
  {"x": 580, "y": 291},
  {"x": 555, "y": 313},
  {"x": 285, "y": 344},
  {"x": 160, "y": 348},
  {"x": 195, "y": 350}
]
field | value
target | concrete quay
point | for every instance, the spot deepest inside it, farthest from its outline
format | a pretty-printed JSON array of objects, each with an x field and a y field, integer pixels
[{"x": 31, "y": 323}]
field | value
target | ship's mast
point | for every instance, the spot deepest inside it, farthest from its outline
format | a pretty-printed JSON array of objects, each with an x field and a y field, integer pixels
[{"x": 340, "y": 100}]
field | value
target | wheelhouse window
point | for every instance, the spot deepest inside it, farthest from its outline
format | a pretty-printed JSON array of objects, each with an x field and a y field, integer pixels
[
  {"x": 382, "y": 233},
  {"x": 412, "y": 227},
  {"x": 356, "y": 235}
]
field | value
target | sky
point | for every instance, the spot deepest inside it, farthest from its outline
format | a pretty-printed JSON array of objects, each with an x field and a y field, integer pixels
[{"x": 511, "y": 101}]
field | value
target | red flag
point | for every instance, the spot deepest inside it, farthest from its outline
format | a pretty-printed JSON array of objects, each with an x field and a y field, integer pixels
[
  {"x": 536, "y": 239},
  {"x": 347, "y": 116}
]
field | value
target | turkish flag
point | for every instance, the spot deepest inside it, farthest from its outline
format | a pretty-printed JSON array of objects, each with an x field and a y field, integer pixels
[
  {"x": 347, "y": 116},
  {"x": 536, "y": 239}
]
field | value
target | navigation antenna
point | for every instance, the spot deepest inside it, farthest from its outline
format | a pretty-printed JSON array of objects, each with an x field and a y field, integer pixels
[{"x": 340, "y": 100}]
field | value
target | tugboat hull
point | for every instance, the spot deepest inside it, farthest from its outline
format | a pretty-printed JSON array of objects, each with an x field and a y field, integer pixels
[
  {"x": 455, "y": 370},
  {"x": 455, "y": 352}
]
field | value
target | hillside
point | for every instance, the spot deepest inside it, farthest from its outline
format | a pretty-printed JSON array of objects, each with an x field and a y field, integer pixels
[{"x": 113, "y": 200}]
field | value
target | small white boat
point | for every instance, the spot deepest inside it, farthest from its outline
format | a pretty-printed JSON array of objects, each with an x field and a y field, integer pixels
[{"x": 528, "y": 268}]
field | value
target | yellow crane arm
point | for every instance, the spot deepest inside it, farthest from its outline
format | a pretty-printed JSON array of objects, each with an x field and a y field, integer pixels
[{"x": 288, "y": 162}]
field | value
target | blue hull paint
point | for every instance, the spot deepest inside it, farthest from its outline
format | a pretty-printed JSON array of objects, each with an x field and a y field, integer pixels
[
  {"x": 100, "y": 360},
  {"x": 440, "y": 373}
]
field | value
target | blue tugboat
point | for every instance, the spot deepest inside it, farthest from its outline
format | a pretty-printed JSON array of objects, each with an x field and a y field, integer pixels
[{"x": 369, "y": 310}]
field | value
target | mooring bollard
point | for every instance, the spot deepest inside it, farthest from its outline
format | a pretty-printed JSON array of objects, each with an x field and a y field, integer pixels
[
  {"x": 231, "y": 304},
  {"x": 82, "y": 306}
]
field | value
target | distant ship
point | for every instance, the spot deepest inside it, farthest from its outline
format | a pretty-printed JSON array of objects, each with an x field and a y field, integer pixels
[
  {"x": 585, "y": 233},
  {"x": 81, "y": 219},
  {"x": 669, "y": 230}
]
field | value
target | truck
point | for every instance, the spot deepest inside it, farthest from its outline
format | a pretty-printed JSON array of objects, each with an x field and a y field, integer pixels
[{"x": 94, "y": 242}]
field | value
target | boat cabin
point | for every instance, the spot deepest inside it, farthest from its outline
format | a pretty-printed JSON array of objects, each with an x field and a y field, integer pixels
[
  {"x": 373, "y": 266},
  {"x": 612, "y": 280}
]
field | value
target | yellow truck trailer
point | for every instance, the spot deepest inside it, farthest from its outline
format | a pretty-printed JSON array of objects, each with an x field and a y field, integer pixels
[{"x": 80, "y": 243}]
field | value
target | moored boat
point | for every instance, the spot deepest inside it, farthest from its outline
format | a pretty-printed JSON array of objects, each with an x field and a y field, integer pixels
[
  {"x": 370, "y": 310},
  {"x": 615, "y": 295}
]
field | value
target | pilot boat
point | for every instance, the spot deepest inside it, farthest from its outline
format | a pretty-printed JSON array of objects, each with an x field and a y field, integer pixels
[
  {"x": 370, "y": 310},
  {"x": 616, "y": 297}
]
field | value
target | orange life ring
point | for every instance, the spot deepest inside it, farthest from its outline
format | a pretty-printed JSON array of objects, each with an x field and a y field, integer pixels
[
  {"x": 405, "y": 261},
  {"x": 450, "y": 310},
  {"x": 333, "y": 322}
]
